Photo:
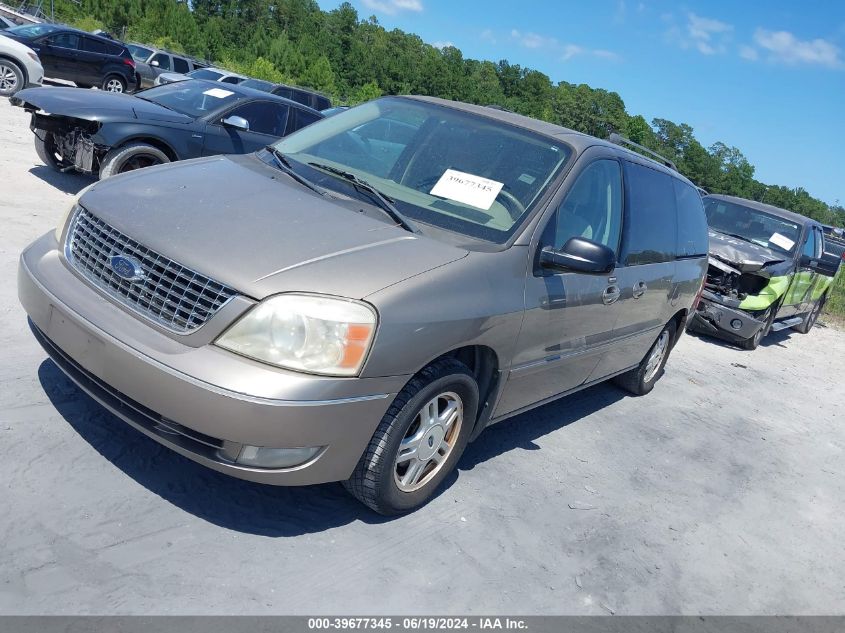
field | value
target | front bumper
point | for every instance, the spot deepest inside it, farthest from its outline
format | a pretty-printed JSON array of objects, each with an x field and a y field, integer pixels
[
  {"x": 201, "y": 401},
  {"x": 717, "y": 319}
]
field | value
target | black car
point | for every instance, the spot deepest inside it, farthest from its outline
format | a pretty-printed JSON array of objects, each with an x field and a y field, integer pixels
[
  {"x": 106, "y": 134},
  {"x": 83, "y": 58},
  {"x": 301, "y": 95}
]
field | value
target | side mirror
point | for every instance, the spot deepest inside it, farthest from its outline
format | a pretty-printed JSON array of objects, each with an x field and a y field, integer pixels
[
  {"x": 581, "y": 255},
  {"x": 808, "y": 262},
  {"x": 154, "y": 63},
  {"x": 237, "y": 122}
]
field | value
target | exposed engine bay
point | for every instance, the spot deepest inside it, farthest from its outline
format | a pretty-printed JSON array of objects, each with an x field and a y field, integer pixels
[
  {"x": 70, "y": 139},
  {"x": 726, "y": 280}
]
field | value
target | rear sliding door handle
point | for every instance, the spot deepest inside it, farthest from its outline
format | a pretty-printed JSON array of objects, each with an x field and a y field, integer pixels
[
  {"x": 610, "y": 295},
  {"x": 639, "y": 289}
]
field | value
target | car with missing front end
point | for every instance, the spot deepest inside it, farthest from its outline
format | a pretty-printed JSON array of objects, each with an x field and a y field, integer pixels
[
  {"x": 768, "y": 270},
  {"x": 361, "y": 299},
  {"x": 104, "y": 134}
]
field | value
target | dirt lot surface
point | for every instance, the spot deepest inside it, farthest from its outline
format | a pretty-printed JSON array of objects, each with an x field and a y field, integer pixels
[{"x": 723, "y": 491}]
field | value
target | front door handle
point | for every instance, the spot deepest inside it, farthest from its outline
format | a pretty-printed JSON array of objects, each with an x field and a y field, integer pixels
[
  {"x": 610, "y": 295},
  {"x": 639, "y": 289}
]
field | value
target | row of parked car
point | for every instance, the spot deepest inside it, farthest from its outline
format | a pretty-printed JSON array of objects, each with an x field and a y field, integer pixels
[
  {"x": 357, "y": 300},
  {"x": 91, "y": 59}
]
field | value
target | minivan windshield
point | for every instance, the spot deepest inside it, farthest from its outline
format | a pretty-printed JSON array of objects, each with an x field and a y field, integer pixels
[
  {"x": 194, "y": 98},
  {"x": 752, "y": 225},
  {"x": 463, "y": 172}
]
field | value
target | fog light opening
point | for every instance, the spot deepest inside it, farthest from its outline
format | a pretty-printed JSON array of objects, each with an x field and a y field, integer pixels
[
  {"x": 269, "y": 457},
  {"x": 736, "y": 324}
]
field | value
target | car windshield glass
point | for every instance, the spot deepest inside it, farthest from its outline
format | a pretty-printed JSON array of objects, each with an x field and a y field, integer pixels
[
  {"x": 139, "y": 53},
  {"x": 459, "y": 171},
  {"x": 33, "y": 30},
  {"x": 755, "y": 226},
  {"x": 194, "y": 98},
  {"x": 205, "y": 73},
  {"x": 257, "y": 84}
]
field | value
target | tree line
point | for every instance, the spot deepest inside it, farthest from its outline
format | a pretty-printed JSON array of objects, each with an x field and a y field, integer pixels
[{"x": 354, "y": 59}]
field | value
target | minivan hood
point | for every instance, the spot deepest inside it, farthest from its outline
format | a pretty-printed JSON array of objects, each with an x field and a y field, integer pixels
[
  {"x": 745, "y": 256},
  {"x": 95, "y": 105},
  {"x": 247, "y": 225}
]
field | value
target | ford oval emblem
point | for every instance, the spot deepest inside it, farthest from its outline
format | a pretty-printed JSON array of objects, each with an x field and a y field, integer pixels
[{"x": 127, "y": 268}]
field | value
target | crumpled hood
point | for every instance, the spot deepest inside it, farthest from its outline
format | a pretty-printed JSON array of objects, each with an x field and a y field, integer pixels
[
  {"x": 742, "y": 255},
  {"x": 95, "y": 105},
  {"x": 250, "y": 226}
]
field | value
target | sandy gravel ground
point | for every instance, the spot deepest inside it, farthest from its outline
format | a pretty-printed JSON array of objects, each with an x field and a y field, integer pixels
[{"x": 722, "y": 492}]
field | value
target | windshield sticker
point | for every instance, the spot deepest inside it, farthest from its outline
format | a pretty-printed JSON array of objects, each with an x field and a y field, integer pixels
[
  {"x": 781, "y": 240},
  {"x": 218, "y": 92},
  {"x": 473, "y": 190}
]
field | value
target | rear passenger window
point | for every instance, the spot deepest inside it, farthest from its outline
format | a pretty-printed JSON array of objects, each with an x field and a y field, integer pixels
[
  {"x": 302, "y": 118},
  {"x": 591, "y": 209},
  {"x": 300, "y": 96},
  {"x": 180, "y": 65},
  {"x": 322, "y": 103},
  {"x": 692, "y": 222},
  {"x": 93, "y": 46},
  {"x": 652, "y": 230}
]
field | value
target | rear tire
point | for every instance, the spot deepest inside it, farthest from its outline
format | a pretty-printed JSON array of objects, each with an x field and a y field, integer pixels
[
  {"x": 114, "y": 83},
  {"x": 130, "y": 157},
  {"x": 810, "y": 319},
  {"x": 47, "y": 151},
  {"x": 641, "y": 380},
  {"x": 11, "y": 78},
  {"x": 414, "y": 448}
]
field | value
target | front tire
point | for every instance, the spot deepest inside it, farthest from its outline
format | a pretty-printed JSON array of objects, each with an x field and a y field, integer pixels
[
  {"x": 641, "y": 380},
  {"x": 114, "y": 83},
  {"x": 130, "y": 157},
  {"x": 754, "y": 342},
  {"x": 11, "y": 78},
  {"x": 810, "y": 320},
  {"x": 47, "y": 150},
  {"x": 419, "y": 440}
]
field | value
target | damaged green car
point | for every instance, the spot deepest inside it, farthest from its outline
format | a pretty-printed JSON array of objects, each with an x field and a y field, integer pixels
[{"x": 768, "y": 270}]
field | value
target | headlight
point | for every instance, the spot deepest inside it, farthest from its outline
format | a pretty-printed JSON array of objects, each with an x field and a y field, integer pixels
[
  {"x": 309, "y": 333},
  {"x": 60, "y": 227}
]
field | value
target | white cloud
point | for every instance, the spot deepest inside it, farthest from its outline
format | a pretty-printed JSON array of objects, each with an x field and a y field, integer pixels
[
  {"x": 784, "y": 47},
  {"x": 488, "y": 36},
  {"x": 532, "y": 40},
  {"x": 749, "y": 53},
  {"x": 570, "y": 51},
  {"x": 394, "y": 6},
  {"x": 620, "y": 13},
  {"x": 442, "y": 45},
  {"x": 567, "y": 51},
  {"x": 706, "y": 34}
]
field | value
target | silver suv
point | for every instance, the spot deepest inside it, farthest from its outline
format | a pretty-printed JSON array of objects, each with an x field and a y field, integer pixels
[{"x": 361, "y": 299}]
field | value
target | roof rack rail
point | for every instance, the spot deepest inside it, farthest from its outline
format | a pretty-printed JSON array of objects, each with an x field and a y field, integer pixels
[{"x": 621, "y": 140}]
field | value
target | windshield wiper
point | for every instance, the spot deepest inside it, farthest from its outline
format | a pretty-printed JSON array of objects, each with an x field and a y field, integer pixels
[
  {"x": 736, "y": 235},
  {"x": 385, "y": 203},
  {"x": 283, "y": 163}
]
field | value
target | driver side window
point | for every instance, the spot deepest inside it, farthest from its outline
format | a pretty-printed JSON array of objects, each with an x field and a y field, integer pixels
[{"x": 592, "y": 208}]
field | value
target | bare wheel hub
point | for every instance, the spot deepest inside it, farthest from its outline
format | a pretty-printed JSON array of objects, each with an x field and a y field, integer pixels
[{"x": 429, "y": 441}]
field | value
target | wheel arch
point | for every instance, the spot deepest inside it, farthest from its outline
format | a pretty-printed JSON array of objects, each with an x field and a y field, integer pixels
[
  {"x": 155, "y": 141},
  {"x": 680, "y": 319},
  {"x": 483, "y": 362},
  {"x": 20, "y": 65}
]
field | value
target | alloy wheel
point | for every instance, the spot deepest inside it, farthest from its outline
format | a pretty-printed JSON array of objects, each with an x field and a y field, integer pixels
[
  {"x": 658, "y": 353},
  {"x": 429, "y": 441},
  {"x": 114, "y": 85},
  {"x": 8, "y": 78}
]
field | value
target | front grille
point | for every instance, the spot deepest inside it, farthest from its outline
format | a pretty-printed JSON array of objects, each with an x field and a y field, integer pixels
[{"x": 170, "y": 294}]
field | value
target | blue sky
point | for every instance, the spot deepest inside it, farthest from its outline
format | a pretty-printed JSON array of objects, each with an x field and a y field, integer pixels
[{"x": 766, "y": 77}]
